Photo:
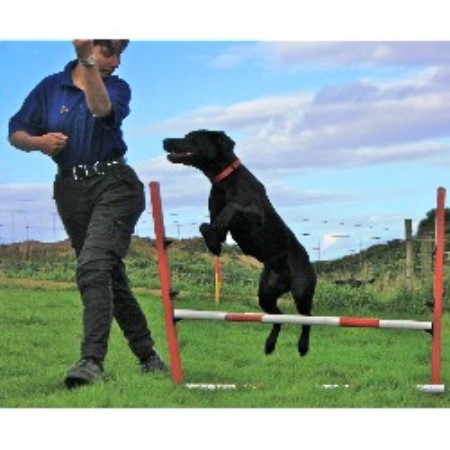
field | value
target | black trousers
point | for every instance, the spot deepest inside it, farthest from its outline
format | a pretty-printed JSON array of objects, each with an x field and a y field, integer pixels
[{"x": 99, "y": 215}]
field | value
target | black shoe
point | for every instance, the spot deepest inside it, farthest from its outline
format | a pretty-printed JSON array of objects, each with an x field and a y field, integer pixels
[
  {"x": 153, "y": 363},
  {"x": 85, "y": 371}
]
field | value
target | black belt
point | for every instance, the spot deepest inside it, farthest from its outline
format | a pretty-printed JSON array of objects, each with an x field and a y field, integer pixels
[{"x": 84, "y": 171}]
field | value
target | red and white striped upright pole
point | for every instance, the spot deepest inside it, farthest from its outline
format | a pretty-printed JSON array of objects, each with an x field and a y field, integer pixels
[
  {"x": 164, "y": 275},
  {"x": 438, "y": 288}
]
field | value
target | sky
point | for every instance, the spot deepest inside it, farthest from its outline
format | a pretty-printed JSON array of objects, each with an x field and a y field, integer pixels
[{"x": 350, "y": 137}]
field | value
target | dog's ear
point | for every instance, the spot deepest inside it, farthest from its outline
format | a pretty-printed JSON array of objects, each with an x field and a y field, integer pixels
[{"x": 224, "y": 140}]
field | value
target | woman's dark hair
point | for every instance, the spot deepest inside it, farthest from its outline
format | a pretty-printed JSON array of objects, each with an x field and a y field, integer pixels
[{"x": 110, "y": 45}]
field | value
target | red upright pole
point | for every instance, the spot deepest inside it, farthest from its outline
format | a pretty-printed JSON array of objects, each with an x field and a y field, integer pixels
[
  {"x": 164, "y": 275},
  {"x": 438, "y": 287}
]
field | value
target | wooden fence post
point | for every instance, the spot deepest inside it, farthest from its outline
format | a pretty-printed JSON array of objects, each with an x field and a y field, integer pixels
[{"x": 409, "y": 254}]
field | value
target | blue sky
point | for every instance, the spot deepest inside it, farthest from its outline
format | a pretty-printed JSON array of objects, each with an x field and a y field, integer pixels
[{"x": 350, "y": 137}]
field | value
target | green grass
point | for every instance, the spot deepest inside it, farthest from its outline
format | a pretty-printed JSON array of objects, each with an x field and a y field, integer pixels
[{"x": 40, "y": 334}]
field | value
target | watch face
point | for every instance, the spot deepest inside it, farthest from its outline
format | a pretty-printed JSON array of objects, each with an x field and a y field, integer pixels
[{"x": 89, "y": 61}]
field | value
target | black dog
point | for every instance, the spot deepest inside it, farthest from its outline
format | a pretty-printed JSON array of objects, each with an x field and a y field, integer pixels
[{"x": 238, "y": 204}]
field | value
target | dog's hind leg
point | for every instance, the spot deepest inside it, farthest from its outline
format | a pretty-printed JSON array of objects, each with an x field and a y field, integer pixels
[
  {"x": 302, "y": 288},
  {"x": 272, "y": 285}
]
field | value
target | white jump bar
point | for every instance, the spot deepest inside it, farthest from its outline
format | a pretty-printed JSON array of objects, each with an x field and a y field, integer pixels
[{"x": 363, "y": 322}]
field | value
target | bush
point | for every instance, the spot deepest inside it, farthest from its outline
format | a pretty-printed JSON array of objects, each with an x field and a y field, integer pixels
[{"x": 370, "y": 299}]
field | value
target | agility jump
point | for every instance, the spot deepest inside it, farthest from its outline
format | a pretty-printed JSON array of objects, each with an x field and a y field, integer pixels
[{"x": 173, "y": 315}]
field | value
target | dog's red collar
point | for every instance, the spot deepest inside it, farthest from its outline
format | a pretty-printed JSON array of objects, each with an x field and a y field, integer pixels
[{"x": 226, "y": 172}]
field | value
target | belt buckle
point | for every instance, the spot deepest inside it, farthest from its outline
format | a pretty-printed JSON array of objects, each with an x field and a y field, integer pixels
[
  {"x": 80, "y": 172},
  {"x": 84, "y": 171},
  {"x": 96, "y": 169}
]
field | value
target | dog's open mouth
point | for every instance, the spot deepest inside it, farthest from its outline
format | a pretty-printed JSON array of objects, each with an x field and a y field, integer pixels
[
  {"x": 179, "y": 150},
  {"x": 179, "y": 156}
]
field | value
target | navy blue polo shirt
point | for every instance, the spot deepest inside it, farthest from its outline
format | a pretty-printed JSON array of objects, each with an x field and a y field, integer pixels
[{"x": 57, "y": 105}]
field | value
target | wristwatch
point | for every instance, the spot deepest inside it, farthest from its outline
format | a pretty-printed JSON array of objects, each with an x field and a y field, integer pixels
[{"x": 89, "y": 62}]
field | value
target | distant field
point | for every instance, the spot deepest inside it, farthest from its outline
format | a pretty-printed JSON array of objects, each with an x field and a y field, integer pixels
[{"x": 40, "y": 333}]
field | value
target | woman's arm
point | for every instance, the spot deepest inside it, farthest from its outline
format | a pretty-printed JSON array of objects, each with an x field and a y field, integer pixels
[
  {"x": 97, "y": 97},
  {"x": 49, "y": 143}
]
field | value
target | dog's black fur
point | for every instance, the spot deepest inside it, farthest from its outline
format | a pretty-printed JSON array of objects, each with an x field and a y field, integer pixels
[{"x": 238, "y": 204}]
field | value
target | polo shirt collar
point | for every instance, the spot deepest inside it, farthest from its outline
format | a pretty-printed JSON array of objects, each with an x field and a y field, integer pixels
[{"x": 67, "y": 73}]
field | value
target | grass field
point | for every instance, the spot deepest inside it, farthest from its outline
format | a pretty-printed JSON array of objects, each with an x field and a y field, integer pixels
[{"x": 40, "y": 334}]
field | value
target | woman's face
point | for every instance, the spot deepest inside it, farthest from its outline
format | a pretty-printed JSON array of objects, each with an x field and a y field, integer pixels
[{"x": 108, "y": 58}]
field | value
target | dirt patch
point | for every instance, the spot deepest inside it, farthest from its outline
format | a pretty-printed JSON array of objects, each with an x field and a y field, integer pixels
[
  {"x": 36, "y": 284},
  {"x": 29, "y": 283}
]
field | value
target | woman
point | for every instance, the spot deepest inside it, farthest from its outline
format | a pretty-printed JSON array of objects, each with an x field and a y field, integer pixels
[{"x": 75, "y": 117}]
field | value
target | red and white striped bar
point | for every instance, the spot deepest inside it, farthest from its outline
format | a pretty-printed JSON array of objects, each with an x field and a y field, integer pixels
[{"x": 361, "y": 322}]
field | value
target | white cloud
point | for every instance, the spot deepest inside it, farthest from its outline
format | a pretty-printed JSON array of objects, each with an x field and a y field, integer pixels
[
  {"x": 355, "y": 124},
  {"x": 325, "y": 55},
  {"x": 239, "y": 116}
]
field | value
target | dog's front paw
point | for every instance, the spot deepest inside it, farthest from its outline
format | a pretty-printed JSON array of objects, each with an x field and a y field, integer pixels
[{"x": 211, "y": 239}]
